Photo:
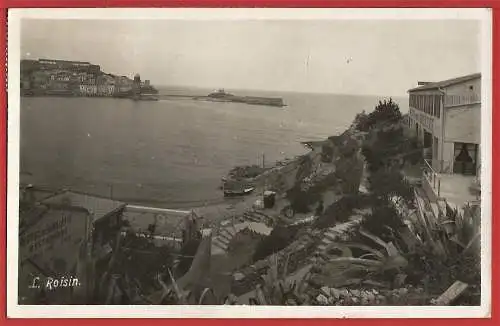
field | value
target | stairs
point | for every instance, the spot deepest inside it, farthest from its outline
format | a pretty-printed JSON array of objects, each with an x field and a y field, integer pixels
[
  {"x": 223, "y": 236},
  {"x": 255, "y": 216},
  {"x": 333, "y": 234},
  {"x": 222, "y": 239}
]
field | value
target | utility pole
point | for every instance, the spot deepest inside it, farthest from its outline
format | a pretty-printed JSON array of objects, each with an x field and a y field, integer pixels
[{"x": 263, "y": 168}]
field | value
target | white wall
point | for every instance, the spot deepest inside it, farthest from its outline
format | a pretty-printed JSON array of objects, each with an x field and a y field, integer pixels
[
  {"x": 464, "y": 88},
  {"x": 463, "y": 124},
  {"x": 448, "y": 153}
]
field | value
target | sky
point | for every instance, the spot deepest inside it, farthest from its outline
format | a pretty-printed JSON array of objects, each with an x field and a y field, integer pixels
[{"x": 360, "y": 57}]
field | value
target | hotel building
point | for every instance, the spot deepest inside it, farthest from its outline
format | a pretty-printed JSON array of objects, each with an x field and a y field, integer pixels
[{"x": 446, "y": 117}]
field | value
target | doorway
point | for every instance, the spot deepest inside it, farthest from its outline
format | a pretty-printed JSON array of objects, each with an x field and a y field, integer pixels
[
  {"x": 465, "y": 158},
  {"x": 428, "y": 146}
]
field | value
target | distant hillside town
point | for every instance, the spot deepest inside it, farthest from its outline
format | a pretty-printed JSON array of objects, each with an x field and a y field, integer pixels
[{"x": 47, "y": 77}]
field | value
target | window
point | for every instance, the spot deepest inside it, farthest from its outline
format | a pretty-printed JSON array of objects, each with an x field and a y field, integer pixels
[
  {"x": 431, "y": 105},
  {"x": 437, "y": 100}
]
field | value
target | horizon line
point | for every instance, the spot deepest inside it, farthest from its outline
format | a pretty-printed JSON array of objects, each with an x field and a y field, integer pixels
[{"x": 280, "y": 91}]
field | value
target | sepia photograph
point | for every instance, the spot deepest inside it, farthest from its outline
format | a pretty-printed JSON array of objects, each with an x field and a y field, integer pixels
[{"x": 324, "y": 159}]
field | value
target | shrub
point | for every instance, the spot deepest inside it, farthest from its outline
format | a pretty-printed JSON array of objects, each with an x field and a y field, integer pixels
[
  {"x": 362, "y": 121},
  {"x": 348, "y": 148},
  {"x": 349, "y": 173},
  {"x": 279, "y": 238},
  {"x": 326, "y": 153},
  {"x": 341, "y": 210},
  {"x": 304, "y": 169},
  {"x": 301, "y": 200},
  {"x": 386, "y": 183},
  {"x": 383, "y": 221},
  {"x": 386, "y": 147},
  {"x": 249, "y": 171}
]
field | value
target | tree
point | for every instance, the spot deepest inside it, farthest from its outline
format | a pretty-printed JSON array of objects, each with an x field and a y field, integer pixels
[
  {"x": 386, "y": 183},
  {"x": 386, "y": 111},
  {"x": 361, "y": 121},
  {"x": 383, "y": 222},
  {"x": 301, "y": 200},
  {"x": 279, "y": 238}
]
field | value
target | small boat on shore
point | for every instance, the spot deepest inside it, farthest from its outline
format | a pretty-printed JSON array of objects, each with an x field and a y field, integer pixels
[{"x": 238, "y": 192}]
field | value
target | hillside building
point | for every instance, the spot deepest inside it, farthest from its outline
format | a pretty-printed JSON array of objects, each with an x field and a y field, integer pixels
[{"x": 446, "y": 118}]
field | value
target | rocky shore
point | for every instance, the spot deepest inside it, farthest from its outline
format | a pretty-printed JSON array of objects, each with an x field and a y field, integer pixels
[{"x": 368, "y": 213}]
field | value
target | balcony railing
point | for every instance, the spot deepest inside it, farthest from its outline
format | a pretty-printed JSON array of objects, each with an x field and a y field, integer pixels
[
  {"x": 456, "y": 100},
  {"x": 439, "y": 166},
  {"x": 432, "y": 177},
  {"x": 435, "y": 170},
  {"x": 446, "y": 167}
]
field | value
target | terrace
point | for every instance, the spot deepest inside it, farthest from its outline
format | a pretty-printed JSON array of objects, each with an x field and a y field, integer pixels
[{"x": 456, "y": 189}]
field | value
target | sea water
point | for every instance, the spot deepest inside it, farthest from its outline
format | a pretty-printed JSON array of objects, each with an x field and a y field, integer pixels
[{"x": 172, "y": 152}]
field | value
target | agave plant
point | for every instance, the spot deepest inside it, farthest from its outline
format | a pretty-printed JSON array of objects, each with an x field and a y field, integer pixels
[
  {"x": 345, "y": 269},
  {"x": 280, "y": 289}
]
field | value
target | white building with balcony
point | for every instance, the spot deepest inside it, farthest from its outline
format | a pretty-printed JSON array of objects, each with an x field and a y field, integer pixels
[{"x": 446, "y": 117}]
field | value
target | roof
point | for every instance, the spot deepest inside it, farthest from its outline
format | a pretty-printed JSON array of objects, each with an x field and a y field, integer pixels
[
  {"x": 31, "y": 217},
  {"x": 446, "y": 83},
  {"x": 168, "y": 221},
  {"x": 97, "y": 206}
]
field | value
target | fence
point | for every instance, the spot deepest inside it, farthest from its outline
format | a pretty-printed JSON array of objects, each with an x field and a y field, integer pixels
[{"x": 432, "y": 177}]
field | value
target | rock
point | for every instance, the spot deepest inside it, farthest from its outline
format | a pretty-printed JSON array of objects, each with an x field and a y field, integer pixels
[
  {"x": 325, "y": 290},
  {"x": 238, "y": 276},
  {"x": 355, "y": 293},
  {"x": 335, "y": 293},
  {"x": 322, "y": 299}
]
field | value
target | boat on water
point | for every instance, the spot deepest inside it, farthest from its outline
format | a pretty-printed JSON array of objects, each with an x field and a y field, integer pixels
[{"x": 221, "y": 95}]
